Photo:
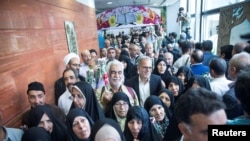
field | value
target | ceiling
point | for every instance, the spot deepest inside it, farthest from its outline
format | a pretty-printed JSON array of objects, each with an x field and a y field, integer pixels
[{"x": 101, "y": 5}]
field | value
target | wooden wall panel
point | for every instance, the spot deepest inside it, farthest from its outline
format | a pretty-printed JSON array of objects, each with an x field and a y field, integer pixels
[{"x": 32, "y": 46}]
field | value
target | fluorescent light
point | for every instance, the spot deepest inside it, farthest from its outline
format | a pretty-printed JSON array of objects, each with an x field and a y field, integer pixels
[{"x": 110, "y": 2}]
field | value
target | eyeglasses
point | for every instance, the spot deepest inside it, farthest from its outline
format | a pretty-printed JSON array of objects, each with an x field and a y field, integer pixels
[
  {"x": 146, "y": 68},
  {"x": 76, "y": 65},
  {"x": 121, "y": 104}
]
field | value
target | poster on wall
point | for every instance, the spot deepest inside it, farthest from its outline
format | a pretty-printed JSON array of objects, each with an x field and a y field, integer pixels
[
  {"x": 128, "y": 16},
  {"x": 71, "y": 36}
]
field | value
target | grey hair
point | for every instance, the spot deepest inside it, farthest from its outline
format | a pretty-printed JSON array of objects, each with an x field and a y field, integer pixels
[
  {"x": 141, "y": 58},
  {"x": 240, "y": 61},
  {"x": 114, "y": 62}
]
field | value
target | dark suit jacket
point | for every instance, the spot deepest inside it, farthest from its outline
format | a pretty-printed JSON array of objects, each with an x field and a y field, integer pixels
[{"x": 154, "y": 84}]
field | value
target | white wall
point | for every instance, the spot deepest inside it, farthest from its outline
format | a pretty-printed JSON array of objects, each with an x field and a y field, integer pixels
[
  {"x": 90, "y": 3},
  {"x": 172, "y": 11}
]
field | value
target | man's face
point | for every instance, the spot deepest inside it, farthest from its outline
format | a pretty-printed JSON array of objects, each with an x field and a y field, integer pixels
[
  {"x": 93, "y": 55},
  {"x": 149, "y": 49},
  {"x": 107, "y": 43},
  {"x": 119, "y": 40},
  {"x": 69, "y": 79},
  {"x": 86, "y": 57},
  {"x": 104, "y": 52},
  {"x": 36, "y": 98},
  {"x": 133, "y": 52},
  {"x": 169, "y": 59},
  {"x": 116, "y": 76},
  {"x": 145, "y": 68},
  {"x": 74, "y": 64},
  {"x": 198, "y": 130},
  {"x": 111, "y": 54}
]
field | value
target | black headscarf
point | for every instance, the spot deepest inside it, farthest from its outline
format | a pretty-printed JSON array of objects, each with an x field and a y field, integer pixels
[
  {"x": 92, "y": 106},
  {"x": 166, "y": 74},
  {"x": 187, "y": 72},
  {"x": 171, "y": 96},
  {"x": 36, "y": 134},
  {"x": 177, "y": 81},
  {"x": 101, "y": 122},
  {"x": 201, "y": 80},
  {"x": 59, "y": 129},
  {"x": 152, "y": 100},
  {"x": 73, "y": 113},
  {"x": 147, "y": 132},
  {"x": 110, "y": 113},
  {"x": 127, "y": 70}
]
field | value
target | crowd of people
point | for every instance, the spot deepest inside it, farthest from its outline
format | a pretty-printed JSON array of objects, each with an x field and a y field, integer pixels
[{"x": 136, "y": 93}]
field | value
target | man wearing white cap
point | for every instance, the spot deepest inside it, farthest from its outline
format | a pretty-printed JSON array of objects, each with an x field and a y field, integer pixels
[{"x": 72, "y": 61}]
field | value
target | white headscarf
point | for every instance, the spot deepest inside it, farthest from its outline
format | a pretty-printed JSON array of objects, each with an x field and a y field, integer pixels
[{"x": 107, "y": 132}]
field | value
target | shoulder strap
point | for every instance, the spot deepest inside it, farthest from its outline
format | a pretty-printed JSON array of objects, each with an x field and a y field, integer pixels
[
  {"x": 131, "y": 91},
  {"x": 103, "y": 87},
  {"x": 186, "y": 64}
]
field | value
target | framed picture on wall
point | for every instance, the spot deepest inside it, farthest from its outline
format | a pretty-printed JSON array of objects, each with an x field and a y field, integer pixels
[{"x": 71, "y": 36}]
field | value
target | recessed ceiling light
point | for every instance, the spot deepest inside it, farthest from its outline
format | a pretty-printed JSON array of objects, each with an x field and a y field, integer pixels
[{"x": 110, "y": 2}]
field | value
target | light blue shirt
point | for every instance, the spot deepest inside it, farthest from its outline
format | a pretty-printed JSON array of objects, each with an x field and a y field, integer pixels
[{"x": 13, "y": 134}]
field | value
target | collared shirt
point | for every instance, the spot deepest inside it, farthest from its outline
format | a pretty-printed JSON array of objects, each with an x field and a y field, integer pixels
[
  {"x": 132, "y": 99},
  {"x": 65, "y": 101},
  {"x": 182, "y": 138},
  {"x": 184, "y": 60},
  {"x": 83, "y": 70},
  {"x": 220, "y": 85},
  {"x": 144, "y": 90},
  {"x": 13, "y": 134}
]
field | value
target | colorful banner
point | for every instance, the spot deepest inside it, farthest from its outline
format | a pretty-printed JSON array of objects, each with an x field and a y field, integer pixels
[{"x": 128, "y": 15}]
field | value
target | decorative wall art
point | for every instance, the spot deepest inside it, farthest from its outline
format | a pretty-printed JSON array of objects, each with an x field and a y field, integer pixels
[
  {"x": 234, "y": 22},
  {"x": 71, "y": 36}
]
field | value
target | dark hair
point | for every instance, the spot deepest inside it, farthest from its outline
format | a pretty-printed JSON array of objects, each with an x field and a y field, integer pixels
[
  {"x": 37, "y": 86},
  {"x": 198, "y": 45},
  {"x": 197, "y": 55},
  {"x": 197, "y": 100},
  {"x": 174, "y": 34},
  {"x": 218, "y": 65},
  {"x": 227, "y": 50},
  {"x": 242, "y": 89},
  {"x": 247, "y": 49},
  {"x": 185, "y": 46},
  {"x": 181, "y": 9},
  {"x": 207, "y": 45},
  {"x": 74, "y": 71},
  {"x": 93, "y": 50}
]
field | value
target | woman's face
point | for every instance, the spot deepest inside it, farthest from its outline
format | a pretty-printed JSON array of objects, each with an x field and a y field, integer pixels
[
  {"x": 195, "y": 85},
  {"x": 165, "y": 99},
  {"x": 46, "y": 123},
  {"x": 174, "y": 88},
  {"x": 81, "y": 127},
  {"x": 161, "y": 67},
  {"x": 135, "y": 126},
  {"x": 181, "y": 76},
  {"x": 157, "y": 111},
  {"x": 78, "y": 98},
  {"x": 121, "y": 108}
]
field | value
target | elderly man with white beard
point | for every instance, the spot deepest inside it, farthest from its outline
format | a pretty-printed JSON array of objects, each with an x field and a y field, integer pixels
[{"x": 116, "y": 79}]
